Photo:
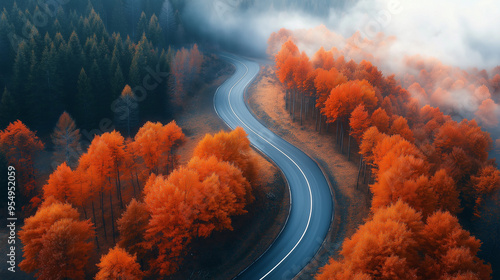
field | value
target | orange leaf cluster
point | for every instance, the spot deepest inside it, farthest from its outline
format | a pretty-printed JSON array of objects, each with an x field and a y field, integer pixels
[
  {"x": 418, "y": 156},
  {"x": 19, "y": 145},
  {"x": 398, "y": 244},
  {"x": 56, "y": 243}
]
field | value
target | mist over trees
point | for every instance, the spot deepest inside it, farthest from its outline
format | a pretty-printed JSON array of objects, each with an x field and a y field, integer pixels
[{"x": 416, "y": 160}]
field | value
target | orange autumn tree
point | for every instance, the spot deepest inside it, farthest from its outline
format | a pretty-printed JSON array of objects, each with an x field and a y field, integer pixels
[
  {"x": 323, "y": 59},
  {"x": 65, "y": 186},
  {"x": 20, "y": 145},
  {"x": 56, "y": 243},
  {"x": 300, "y": 75},
  {"x": 396, "y": 244},
  {"x": 346, "y": 97},
  {"x": 60, "y": 184},
  {"x": 118, "y": 264},
  {"x": 170, "y": 228},
  {"x": 132, "y": 227},
  {"x": 192, "y": 202},
  {"x": 359, "y": 122},
  {"x": 324, "y": 82},
  {"x": 446, "y": 190},
  {"x": 485, "y": 184},
  {"x": 342, "y": 101},
  {"x": 380, "y": 120},
  {"x": 233, "y": 147},
  {"x": 155, "y": 144},
  {"x": 286, "y": 59},
  {"x": 400, "y": 126},
  {"x": 383, "y": 248},
  {"x": 235, "y": 191},
  {"x": 116, "y": 144},
  {"x": 96, "y": 166},
  {"x": 450, "y": 250}
]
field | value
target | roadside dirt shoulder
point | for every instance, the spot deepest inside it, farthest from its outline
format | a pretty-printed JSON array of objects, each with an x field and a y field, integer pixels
[{"x": 266, "y": 99}]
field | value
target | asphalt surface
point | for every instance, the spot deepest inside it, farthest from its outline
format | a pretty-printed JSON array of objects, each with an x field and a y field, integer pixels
[{"x": 311, "y": 208}]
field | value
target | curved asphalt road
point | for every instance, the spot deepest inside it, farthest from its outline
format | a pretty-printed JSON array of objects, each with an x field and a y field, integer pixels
[{"x": 311, "y": 201}]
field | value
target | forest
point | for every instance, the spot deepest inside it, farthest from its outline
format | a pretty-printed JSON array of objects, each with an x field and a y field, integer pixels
[
  {"x": 426, "y": 172},
  {"x": 90, "y": 97},
  {"x": 91, "y": 83}
]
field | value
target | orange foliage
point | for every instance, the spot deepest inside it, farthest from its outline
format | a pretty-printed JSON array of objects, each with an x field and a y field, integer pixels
[
  {"x": 450, "y": 250},
  {"x": 233, "y": 147},
  {"x": 192, "y": 202},
  {"x": 370, "y": 139},
  {"x": 446, "y": 191},
  {"x": 485, "y": 184},
  {"x": 419, "y": 155},
  {"x": 155, "y": 142},
  {"x": 346, "y": 97},
  {"x": 359, "y": 122},
  {"x": 56, "y": 243},
  {"x": 396, "y": 244},
  {"x": 324, "y": 82},
  {"x": 132, "y": 226},
  {"x": 323, "y": 59},
  {"x": 234, "y": 187},
  {"x": 400, "y": 126},
  {"x": 118, "y": 264},
  {"x": 276, "y": 40},
  {"x": 301, "y": 72},
  {"x": 19, "y": 145},
  {"x": 127, "y": 91},
  {"x": 380, "y": 119},
  {"x": 172, "y": 217},
  {"x": 61, "y": 185},
  {"x": 393, "y": 231}
]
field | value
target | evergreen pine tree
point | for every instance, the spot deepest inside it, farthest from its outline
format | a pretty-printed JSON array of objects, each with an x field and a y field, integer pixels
[
  {"x": 84, "y": 99},
  {"x": 9, "y": 110}
]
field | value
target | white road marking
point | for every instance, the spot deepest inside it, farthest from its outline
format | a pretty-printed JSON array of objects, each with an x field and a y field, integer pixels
[{"x": 307, "y": 181}]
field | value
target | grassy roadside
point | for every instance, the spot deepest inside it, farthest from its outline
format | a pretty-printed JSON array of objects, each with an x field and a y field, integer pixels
[{"x": 266, "y": 101}]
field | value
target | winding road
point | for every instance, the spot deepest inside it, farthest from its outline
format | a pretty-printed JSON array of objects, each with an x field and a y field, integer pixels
[{"x": 311, "y": 208}]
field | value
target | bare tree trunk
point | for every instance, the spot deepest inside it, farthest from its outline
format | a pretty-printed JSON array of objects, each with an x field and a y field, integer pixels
[
  {"x": 84, "y": 211},
  {"x": 286, "y": 99},
  {"x": 337, "y": 132},
  {"x": 349, "y": 145},
  {"x": 304, "y": 99},
  {"x": 133, "y": 185},
  {"x": 320, "y": 122},
  {"x": 341, "y": 138},
  {"x": 301, "y": 107},
  {"x": 102, "y": 215},
  {"x": 359, "y": 170},
  {"x": 93, "y": 213},
  {"x": 364, "y": 172},
  {"x": 316, "y": 119},
  {"x": 137, "y": 180},
  {"x": 112, "y": 216},
  {"x": 119, "y": 187}
]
